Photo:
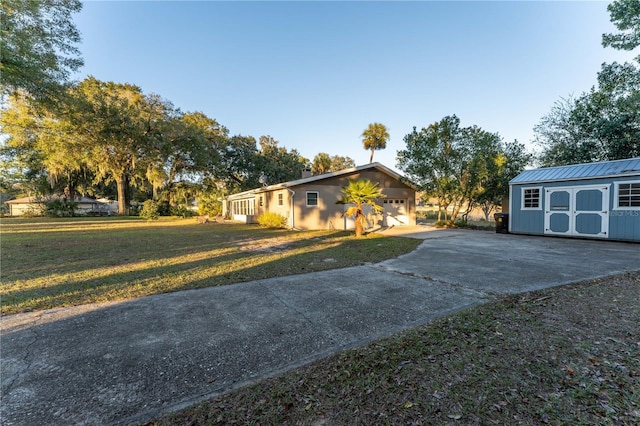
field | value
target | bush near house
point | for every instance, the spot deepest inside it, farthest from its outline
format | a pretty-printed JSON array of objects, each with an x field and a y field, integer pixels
[
  {"x": 150, "y": 210},
  {"x": 272, "y": 220},
  {"x": 60, "y": 208}
]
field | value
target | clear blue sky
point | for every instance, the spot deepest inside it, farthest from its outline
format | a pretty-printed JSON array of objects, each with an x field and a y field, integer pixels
[{"x": 314, "y": 74}]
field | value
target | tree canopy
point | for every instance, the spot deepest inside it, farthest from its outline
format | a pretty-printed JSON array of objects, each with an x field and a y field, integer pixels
[
  {"x": 603, "y": 123},
  {"x": 321, "y": 163},
  {"x": 325, "y": 163},
  {"x": 461, "y": 167},
  {"x": 113, "y": 139},
  {"x": 39, "y": 50},
  {"x": 625, "y": 15}
]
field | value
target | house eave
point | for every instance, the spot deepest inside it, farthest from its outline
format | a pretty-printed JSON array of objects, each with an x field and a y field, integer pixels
[{"x": 285, "y": 185}]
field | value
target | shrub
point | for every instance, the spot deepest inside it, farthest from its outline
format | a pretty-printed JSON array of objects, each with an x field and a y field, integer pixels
[
  {"x": 444, "y": 224},
  {"x": 461, "y": 223},
  {"x": 210, "y": 204},
  {"x": 164, "y": 209},
  {"x": 60, "y": 208},
  {"x": 181, "y": 211},
  {"x": 134, "y": 209},
  {"x": 150, "y": 210},
  {"x": 430, "y": 214},
  {"x": 272, "y": 220}
]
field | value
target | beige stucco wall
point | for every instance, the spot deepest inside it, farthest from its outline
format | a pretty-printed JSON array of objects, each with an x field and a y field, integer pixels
[
  {"x": 327, "y": 214},
  {"x": 20, "y": 209}
]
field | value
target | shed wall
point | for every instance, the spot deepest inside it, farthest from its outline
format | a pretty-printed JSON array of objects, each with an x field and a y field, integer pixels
[{"x": 623, "y": 224}]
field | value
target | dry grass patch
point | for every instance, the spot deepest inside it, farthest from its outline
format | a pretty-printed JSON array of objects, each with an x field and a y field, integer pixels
[
  {"x": 48, "y": 263},
  {"x": 566, "y": 355}
]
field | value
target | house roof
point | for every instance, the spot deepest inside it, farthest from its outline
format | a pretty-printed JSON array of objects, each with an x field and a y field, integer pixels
[
  {"x": 604, "y": 169},
  {"x": 36, "y": 200},
  {"x": 377, "y": 166}
]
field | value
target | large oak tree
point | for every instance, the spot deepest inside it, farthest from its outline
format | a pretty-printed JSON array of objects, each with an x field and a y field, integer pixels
[{"x": 39, "y": 50}]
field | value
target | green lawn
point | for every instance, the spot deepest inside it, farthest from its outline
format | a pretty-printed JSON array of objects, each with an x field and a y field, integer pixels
[{"x": 48, "y": 263}]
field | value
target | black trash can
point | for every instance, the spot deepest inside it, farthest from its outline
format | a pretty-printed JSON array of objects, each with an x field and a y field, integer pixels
[{"x": 502, "y": 223}]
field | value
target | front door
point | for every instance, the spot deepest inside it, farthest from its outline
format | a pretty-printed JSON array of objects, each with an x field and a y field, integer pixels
[{"x": 577, "y": 211}]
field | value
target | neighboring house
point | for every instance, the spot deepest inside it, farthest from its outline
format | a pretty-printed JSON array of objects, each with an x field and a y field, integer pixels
[
  {"x": 36, "y": 206},
  {"x": 310, "y": 202},
  {"x": 594, "y": 200}
]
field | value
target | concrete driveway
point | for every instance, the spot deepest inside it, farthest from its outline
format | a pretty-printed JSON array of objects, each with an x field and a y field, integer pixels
[{"x": 126, "y": 362}]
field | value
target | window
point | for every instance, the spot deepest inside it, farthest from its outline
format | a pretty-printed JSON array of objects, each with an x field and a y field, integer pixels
[
  {"x": 312, "y": 199},
  {"x": 531, "y": 199},
  {"x": 242, "y": 207},
  {"x": 628, "y": 195},
  {"x": 261, "y": 201},
  {"x": 281, "y": 200}
]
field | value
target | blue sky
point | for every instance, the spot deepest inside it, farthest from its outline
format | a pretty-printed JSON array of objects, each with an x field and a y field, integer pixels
[{"x": 314, "y": 74}]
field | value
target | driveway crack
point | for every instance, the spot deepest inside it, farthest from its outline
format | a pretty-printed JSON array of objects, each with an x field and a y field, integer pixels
[{"x": 455, "y": 286}]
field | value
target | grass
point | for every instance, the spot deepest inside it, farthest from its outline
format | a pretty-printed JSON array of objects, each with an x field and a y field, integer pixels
[
  {"x": 566, "y": 355},
  {"x": 48, "y": 263}
]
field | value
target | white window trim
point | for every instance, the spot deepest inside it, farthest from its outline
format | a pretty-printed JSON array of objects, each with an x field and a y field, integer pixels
[
  {"x": 616, "y": 193},
  {"x": 306, "y": 198},
  {"x": 522, "y": 189},
  {"x": 243, "y": 207},
  {"x": 280, "y": 197}
]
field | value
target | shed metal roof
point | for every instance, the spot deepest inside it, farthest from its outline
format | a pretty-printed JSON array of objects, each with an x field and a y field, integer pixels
[{"x": 604, "y": 169}]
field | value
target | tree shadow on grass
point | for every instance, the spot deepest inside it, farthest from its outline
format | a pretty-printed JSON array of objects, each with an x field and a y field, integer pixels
[
  {"x": 222, "y": 270},
  {"x": 55, "y": 255}
]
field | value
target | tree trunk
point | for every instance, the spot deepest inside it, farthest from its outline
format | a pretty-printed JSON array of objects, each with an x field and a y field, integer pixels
[
  {"x": 486, "y": 209},
  {"x": 127, "y": 194},
  {"x": 371, "y": 157},
  {"x": 123, "y": 200},
  {"x": 359, "y": 227}
]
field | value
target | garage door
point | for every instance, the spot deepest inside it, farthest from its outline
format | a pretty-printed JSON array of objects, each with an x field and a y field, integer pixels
[{"x": 394, "y": 212}]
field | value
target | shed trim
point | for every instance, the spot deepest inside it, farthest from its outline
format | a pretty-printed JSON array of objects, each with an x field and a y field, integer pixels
[{"x": 616, "y": 195}]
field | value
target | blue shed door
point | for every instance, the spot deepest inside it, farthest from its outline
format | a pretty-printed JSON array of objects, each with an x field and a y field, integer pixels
[{"x": 577, "y": 211}]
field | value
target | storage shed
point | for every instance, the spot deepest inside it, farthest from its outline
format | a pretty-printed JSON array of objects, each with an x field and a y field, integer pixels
[{"x": 593, "y": 200}]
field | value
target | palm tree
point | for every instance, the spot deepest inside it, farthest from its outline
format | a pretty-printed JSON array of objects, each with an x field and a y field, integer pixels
[
  {"x": 359, "y": 193},
  {"x": 321, "y": 164},
  {"x": 375, "y": 137}
]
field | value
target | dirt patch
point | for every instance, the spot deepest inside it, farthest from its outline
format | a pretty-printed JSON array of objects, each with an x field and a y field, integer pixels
[
  {"x": 566, "y": 355},
  {"x": 272, "y": 245}
]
